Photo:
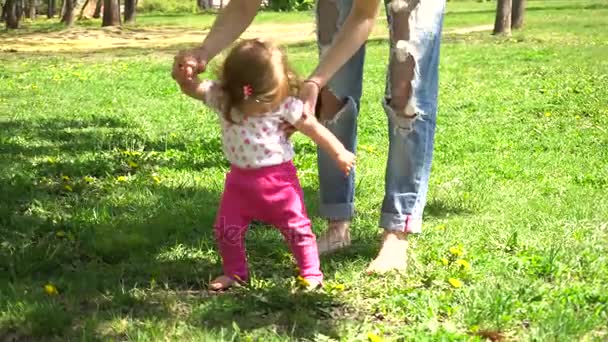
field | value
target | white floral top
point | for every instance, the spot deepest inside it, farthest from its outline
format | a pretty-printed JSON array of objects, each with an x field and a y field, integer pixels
[{"x": 255, "y": 142}]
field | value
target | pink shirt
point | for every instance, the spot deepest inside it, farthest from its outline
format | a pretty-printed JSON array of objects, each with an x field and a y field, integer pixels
[{"x": 255, "y": 142}]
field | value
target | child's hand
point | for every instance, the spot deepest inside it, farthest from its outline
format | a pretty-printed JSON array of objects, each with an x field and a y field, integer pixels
[{"x": 346, "y": 161}]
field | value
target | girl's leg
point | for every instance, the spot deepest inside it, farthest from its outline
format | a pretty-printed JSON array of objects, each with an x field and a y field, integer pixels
[
  {"x": 230, "y": 227},
  {"x": 339, "y": 105},
  {"x": 411, "y": 107},
  {"x": 286, "y": 210}
]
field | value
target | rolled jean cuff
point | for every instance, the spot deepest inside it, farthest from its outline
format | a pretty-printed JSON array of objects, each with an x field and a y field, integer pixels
[
  {"x": 337, "y": 212},
  {"x": 401, "y": 223}
]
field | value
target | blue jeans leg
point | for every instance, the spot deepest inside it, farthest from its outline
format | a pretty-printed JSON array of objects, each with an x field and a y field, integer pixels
[
  {"x": 411, "y": 107},
  {"x": 336, "y": 190}
]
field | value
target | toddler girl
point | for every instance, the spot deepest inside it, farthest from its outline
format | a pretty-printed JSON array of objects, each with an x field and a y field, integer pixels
[{"x": 254, "y": 96}]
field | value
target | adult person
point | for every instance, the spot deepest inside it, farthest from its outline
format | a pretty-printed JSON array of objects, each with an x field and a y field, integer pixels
[{"x": 410, "y": 102}]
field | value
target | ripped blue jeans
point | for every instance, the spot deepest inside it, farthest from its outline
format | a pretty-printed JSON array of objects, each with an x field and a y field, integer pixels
[{"x": 410, "y": 104}]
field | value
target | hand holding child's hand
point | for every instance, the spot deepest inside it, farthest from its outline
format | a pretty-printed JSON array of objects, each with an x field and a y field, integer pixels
[
  {"x": 346, "y": 161},
  {"x": 188, "y": 63}
]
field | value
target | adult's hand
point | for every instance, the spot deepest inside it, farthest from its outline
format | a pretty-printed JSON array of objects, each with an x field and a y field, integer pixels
[
  {"x": 189, "y": 63},
  {"x": 309, "y": 94}
]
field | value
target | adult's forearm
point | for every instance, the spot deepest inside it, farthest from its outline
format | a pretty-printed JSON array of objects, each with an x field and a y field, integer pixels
[
  {"x": 349, "y": 39},
  {"x": 230, "y": 23}
]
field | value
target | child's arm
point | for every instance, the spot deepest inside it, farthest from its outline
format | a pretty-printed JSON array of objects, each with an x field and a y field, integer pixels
[
  {"x": 207, "y": 91},
  {"x": 194, "y": 88},
  {"x": 310, "y": 126}
]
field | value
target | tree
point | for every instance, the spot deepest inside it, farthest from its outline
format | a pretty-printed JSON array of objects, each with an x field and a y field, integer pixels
[
  {"x": 50, "y": 10},
  {"x": 111, "y": 13},
  {"x": 517, "y": 15},
  {"x": 88, "y": 9},
  {"x": 502, "y": 25},
  {"x": 10, "y": 10},
  {"x": 68, "y": 12},
  {"x": 30, "y": 9},
  {"x": 130, "y": 9},
  {"x": 98, "y": 8}
]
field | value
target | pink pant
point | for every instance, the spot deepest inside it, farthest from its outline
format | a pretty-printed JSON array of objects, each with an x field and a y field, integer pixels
[{"x": 272, "y": 195}]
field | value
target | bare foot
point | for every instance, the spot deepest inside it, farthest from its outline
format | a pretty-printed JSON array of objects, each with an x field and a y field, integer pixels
[
  {"x": 336, "y": 237},
  {"x": 221, "y": 283},
  {"x": 392, "y": 255}
]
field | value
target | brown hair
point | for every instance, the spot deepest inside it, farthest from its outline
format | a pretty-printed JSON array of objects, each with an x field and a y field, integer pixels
[{"x": 263, "y": 67}]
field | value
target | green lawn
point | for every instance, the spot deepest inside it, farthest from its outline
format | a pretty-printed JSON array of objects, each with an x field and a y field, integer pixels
[{"x": 110, "y": 179}]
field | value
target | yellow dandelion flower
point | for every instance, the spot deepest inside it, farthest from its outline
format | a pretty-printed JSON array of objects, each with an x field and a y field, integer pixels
[
  {"x": 66, "y": 178},
  {"x": 50, "y": 290},
  {"x": 121, "y": 179},
  {"x": 456, "y": 251},
  {"x": 132, "y": 164},
  {"x": 68, "y": 188},
  {"x": 455, "y": 282},
  {"x": 339, "y": 287},
  {"x": 548, "y": 114},
  {"x": 440, "y": 227},
  {"x": 60, "y": 234},
  {"x": 465, "y": 264},
  {"x": 373, "y": 337},
  {"x": 173, "y": 135},
  {"x": 578, "y": 117},
  {"x": 89, "y": 179},
  {"x": 444, "y": 261},
  {"x": 51, "y": 160},
  {"x": 303, "y": 281}
]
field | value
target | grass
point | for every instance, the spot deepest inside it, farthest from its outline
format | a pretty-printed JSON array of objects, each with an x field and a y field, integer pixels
[{"x": 110, "y": 179}]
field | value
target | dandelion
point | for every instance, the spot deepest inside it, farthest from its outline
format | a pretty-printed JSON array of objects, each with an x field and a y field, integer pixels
[
  {"x": 121, "y": 179},
  {"x": 338, "y": 287},
  {"x": 444, "y": 261},
  {"x": 66, "y": 178},
  {"x": 440, "y": 227},
  {"x": 465, "y": 264},
  {"x": 132, "y": 164},
  {"x": 173, "y": 135},
  {"x": 50, "y": 290},
  {"x": 303, "y": 282},
  {"x": 373, "y": 337},
  {"x": 547, "y": 114},
  {"x": 455, "y": 251},
  {"x": 455, "y": 282},
  {"x": 68, "y": 188},
  {"x": 578, "y": 117}
]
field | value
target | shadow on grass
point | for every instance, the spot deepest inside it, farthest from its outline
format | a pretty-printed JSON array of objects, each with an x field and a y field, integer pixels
[{"x": 138, "y": 249}]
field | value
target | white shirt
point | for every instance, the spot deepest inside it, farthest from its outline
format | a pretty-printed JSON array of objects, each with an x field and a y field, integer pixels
[{"x": 255, "y": 141}]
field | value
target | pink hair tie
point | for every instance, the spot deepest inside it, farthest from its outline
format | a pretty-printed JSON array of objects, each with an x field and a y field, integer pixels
[{"x": 247, "y": 91}]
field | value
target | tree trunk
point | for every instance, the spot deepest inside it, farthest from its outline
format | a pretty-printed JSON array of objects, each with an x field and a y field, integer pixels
[
  {"x": 20, "y": 9},
  {"x": 502, "y": 25},
  {"x": 111, "y": 13},
  {"x": 62, "y": 11},
  {"x": 517, "y": 15},
  {"x": 12, "y": 20},
  {"x": 50, "y": 11},
  {"x": 68, "y": 14},
  {"x": 88, "y": 9},
  {"x": 3, "y": 10},
  {"x": 130, "y": 9},
  {"x": 98, "y": 8},
  {"x": 32, "y": 9}
]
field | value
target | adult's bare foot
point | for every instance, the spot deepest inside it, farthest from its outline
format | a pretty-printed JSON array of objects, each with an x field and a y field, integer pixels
[
  {"x": 392, "y": 255},
  {"x": 336, "y": 237},
  {"x": 221, "y": 283}
]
